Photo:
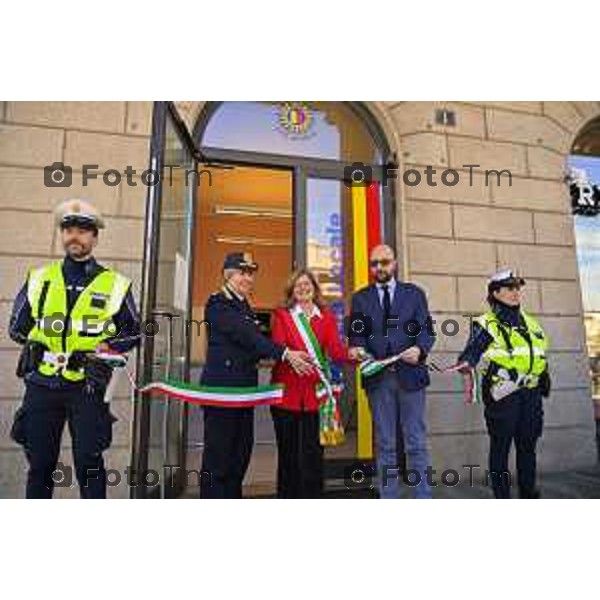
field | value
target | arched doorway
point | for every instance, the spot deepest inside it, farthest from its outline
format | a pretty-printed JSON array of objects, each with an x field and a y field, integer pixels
[
  {"x": 584, "y": 185},
  {"x": 275, "y": 180}
]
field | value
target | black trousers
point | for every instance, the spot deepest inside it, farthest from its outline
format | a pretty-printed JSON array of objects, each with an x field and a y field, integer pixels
[
  {"x": 228, "y": 441},
  {"x": 299, "y": 454},
  {"x": 518, "y": 418},
  {"x": 38, "y": 426}
]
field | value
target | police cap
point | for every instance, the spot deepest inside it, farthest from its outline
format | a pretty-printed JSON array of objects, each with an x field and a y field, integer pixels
[
  {"x": 78, "y": 213},
  {"x": 504, "y": 278},
  {"x": 240, "y": 260}
]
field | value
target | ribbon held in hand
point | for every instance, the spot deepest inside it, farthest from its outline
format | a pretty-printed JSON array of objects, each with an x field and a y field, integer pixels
[
  {"x": 468, "y": 381},
  {"x": 111, "y": 358},
  {"x": 369, "y": 366}
]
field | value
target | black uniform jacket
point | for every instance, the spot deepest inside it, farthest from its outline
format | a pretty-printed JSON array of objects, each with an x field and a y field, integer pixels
[{"x": 235, "y": 343}]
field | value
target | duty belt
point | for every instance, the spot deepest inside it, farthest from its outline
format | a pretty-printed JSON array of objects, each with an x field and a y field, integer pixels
[
  {"x": 56, "y": 359},
  {"x": 64, "y": 360}
]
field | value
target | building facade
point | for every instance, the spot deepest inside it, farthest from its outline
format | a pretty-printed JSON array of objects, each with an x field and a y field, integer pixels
[{"x": 449, "y": 239}]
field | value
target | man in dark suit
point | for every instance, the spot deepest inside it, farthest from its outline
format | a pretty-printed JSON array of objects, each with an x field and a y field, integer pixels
[
  {"x": 388, "y": 318},
  {"x": 235, "y": 346}
]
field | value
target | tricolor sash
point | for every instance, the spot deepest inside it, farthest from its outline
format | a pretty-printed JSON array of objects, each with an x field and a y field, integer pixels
[
  {"x": 325, "y": 388},
  {"x": 331, "y": 428}
]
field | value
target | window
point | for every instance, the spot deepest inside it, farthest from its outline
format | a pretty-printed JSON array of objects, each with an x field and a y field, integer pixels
[{"x": 325, "y": 130}]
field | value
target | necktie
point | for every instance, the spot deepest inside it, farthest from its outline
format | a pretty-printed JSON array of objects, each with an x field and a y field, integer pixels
[
  {"x": 387, "y": 302},
  {"x": 387, "y": 309}
]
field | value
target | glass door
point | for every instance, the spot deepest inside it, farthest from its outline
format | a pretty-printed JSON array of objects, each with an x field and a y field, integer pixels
[
  {"x": 241, "y": 208},
  {"x": 160, "y": 424}
]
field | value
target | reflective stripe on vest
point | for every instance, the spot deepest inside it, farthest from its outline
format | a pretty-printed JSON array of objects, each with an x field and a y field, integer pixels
[
  {"x": 89, "y": 322},
  {"x": 519, "y": 357}
]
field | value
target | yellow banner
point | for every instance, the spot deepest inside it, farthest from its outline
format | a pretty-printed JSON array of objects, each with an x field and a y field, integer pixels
[{"x": 364, "y": 448}]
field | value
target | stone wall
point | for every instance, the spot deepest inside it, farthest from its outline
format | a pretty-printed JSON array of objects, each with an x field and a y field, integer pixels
[{"x": 454, "y": 237}]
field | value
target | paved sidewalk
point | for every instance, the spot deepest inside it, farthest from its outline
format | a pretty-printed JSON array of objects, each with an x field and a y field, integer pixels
[{"x": 260, "y": 480}]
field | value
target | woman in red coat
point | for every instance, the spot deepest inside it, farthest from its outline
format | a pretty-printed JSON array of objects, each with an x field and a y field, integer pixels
[{"x": 296, "y": 419}]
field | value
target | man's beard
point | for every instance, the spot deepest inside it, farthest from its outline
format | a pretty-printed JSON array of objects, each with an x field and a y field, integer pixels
[
  {"x": 77, "y": 251},
  {"x": 383, "y": 277}
]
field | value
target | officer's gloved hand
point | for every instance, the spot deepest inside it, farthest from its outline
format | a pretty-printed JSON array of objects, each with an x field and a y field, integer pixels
[
  {"x": 97, "y": 373},
  {"x": 545, "y": 384},
  {"x": 30, "y": 358}
]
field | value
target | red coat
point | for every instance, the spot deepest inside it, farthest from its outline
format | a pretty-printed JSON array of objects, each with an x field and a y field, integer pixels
[{"x": 299, "y": 392}]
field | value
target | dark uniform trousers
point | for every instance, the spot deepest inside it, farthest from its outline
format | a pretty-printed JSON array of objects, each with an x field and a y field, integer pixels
[
  {"x": 38, "y": 426},
  {"x": 299, "y": 454},
  {"x": 519, "y": 418},
  {"x": 228, "y": 441},
  {"x": 235, "y": 346}
]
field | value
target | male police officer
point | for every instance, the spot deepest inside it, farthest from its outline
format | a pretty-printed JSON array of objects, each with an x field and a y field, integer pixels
[
  {"x": 235, "y": 346},
  {"x": 65, "y": 312}
]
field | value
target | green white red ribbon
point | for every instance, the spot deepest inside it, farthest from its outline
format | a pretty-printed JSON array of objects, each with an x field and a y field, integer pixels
[
  {"x": 370, "y": 366},
  {"x": 111, "y": 358},
  {"x": 469, "y": 381},
  {"x": 230, "y": 397}
]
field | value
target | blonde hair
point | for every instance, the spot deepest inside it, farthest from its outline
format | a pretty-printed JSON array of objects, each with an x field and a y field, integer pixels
[{"x": 291, "y": 283}]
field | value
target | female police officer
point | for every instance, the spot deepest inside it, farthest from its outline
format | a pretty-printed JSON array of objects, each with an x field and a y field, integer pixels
[{"x": 515, "y": 378}]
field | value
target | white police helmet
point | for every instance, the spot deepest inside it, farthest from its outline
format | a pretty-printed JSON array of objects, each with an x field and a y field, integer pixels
[
  {"x": 504, "y": 278},
  {"x": 80, "y": 213}
]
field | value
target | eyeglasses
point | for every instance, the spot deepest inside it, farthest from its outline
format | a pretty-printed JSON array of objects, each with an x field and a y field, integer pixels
[
  {"x": 513, "y": 287},
  {"x": 384, "y": 262}
]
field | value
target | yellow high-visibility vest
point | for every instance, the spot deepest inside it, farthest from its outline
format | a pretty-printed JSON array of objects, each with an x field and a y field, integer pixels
[
  {"x": 89, "y": 322},
  {"x": 511, "y": 349}
]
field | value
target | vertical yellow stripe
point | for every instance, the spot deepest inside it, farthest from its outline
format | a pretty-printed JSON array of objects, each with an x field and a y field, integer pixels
[
  {"x": 359, "y": 226},
  {"x": 364, "y": 448}
]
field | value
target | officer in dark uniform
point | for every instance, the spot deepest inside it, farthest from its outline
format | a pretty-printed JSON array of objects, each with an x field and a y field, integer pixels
[
  {"x": 63, "y": 382},
  {"x": 235, "y": 346}
]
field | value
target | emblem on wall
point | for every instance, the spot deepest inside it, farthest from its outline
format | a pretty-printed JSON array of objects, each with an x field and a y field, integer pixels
[{"x": 296, "y": 120}]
